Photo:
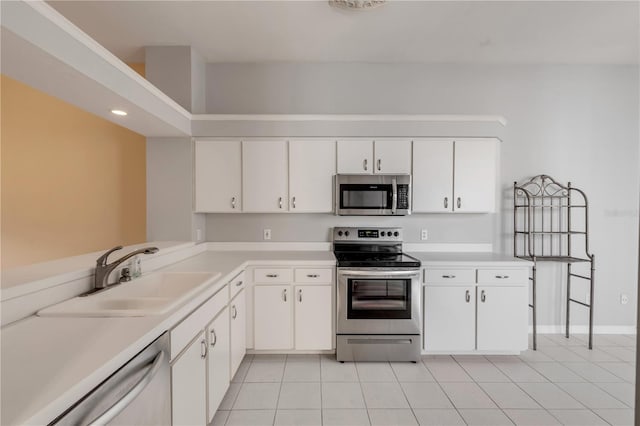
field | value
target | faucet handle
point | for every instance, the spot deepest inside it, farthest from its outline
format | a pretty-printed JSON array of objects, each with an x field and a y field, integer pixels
[{"x": 102, "y": 260}]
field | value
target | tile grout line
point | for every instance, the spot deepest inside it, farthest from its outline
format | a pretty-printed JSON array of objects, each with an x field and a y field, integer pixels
[
  {"x": 404, "y": 393},
  {"x": 445, "y": 393}
]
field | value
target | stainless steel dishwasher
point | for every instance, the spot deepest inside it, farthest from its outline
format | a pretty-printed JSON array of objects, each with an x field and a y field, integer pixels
[{"x": 139, "y": 393}]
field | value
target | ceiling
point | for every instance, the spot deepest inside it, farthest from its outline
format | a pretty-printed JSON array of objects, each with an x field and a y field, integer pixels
[{"x": 564, "y": 32}]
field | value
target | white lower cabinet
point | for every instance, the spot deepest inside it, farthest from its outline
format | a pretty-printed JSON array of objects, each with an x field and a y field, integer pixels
[
  {"x": 202, "y": 366},
  {"x": 293, "y": 308},
  {"x": 313, "y": 317},
  {"x": 463, "y": 314},
  {"x": 188, "y": 384},
  {"x": 272, "y": 317},
  {"x": 238, "y": 329},
  {"x": 218, "y": 361},
  {"x": 449, "y": 318},
  {"x": 502, "y": 318}
]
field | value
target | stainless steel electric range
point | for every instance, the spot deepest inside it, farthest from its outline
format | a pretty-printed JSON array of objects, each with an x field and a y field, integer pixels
[{"x": 378, "y": 297}]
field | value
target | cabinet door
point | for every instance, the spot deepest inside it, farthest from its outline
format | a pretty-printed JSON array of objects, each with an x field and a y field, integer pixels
[
  {"x": 272, "y": 317},
  {"x": 218, "y": 176},
  {"x": 503, "y": 315},
  {"x": 188, "y": 385},
  {"x": 475, "y": 175},
  {"x": 449, "y": 318},
  {"x": 432, "y": 176},
  {"x": 238, "y": 328},
  {"x": 355, "y": 156},
  {"x": 392, "y": 156},
  {"x": 218, "y": 361},
  {"x": 313, "y": 310},
  {"x": 264, "y": 176},
  {"x": 312, "y": 164}
]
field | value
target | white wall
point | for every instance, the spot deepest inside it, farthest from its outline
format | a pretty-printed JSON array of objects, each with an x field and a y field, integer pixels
[{"x": 576, "y": 123}]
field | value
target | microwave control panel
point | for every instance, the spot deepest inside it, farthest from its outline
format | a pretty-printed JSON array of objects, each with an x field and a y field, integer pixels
[{"x": 403, "y": 196}]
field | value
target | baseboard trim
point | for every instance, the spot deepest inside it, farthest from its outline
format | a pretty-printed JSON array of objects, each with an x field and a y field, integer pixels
[{"x": 584, "y": 329}]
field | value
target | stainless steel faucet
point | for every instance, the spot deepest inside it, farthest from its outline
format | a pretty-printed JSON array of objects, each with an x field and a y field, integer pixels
[{"x": 103, "y": 269}]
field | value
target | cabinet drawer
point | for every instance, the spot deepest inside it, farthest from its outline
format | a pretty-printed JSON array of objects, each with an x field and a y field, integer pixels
[
  {"x": 323, "y": 276},
  {"x": 503, "y": 276},
  {"x": 236, "y": 284},
  {"x": 272, "y": 275},
  {"x": 450, "y": 276},
  {"x": 183, "y": 333}
]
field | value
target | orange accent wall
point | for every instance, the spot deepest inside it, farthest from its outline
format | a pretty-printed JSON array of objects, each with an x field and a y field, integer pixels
[{"x": 71, "y": 182}]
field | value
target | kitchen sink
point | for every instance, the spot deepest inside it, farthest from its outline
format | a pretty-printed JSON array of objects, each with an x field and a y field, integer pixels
[{"x": 153, "y": 294}]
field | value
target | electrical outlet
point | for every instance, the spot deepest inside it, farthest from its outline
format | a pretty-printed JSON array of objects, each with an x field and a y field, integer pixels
[
  {"x": 266, "y": 234},
  {"x": 624, "y": 299},
  {"x": 424, "y": 235}
]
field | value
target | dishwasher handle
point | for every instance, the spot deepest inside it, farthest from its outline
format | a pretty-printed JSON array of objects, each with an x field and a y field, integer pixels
[{"x": 111, "y": 412}]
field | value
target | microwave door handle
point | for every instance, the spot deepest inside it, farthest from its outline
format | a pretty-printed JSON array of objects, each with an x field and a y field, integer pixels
[{"x": 394, "y": 199}]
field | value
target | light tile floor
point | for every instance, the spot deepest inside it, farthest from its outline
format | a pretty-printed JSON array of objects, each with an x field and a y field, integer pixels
[{"x": 560, "y": 383}]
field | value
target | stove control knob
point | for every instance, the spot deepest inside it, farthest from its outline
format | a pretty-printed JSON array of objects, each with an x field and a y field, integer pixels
[
  {"x": 340, "y": 233},
  {"x": 382, "y": 234},
  {"x": 346, "y": 233},
  {"x": 395, "y": 234}
]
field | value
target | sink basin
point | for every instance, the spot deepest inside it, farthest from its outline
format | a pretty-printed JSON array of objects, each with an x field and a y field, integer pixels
[{"x": 153, "y": 294}]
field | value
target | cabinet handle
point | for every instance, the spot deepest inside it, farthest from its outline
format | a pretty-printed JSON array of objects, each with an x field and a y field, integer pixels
[
  {"x": 272, "y": 275},
  {"x": 482, "y": 296},
  {"x": 233, "y": 202},
  {"x": 364, "y": 164},
  {"x": 467, "y": 296},
  {"x": 448, "y": 276},
  {"x": 293, "y": 202},
  {"x": 239, "y": 283},
  {"x": 284, "y": 294},
  {"x": 446, "y": 202},
  {"x": 502, "y": 277},
  {"x": 214, "y": 337},
  {"x": 235, "y": 312},
  {"x": 379, "y": 164},
  {"x": 459, "y": 202},
  {"x": 203, "y": 349},
  {"x": 312, "y": 275},
  {"x": 300, "y": 295},
  {"x": 280, "y": 202}
]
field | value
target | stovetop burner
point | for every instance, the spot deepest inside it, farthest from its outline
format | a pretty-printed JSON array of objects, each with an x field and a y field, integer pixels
[{"x": 371, "y": 248}]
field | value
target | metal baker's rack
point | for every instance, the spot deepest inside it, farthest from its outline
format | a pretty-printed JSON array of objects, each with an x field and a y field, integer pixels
[{"x": 551, "y": 224}]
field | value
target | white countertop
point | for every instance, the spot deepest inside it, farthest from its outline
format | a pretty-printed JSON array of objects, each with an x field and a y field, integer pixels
[
  {"x": 468, "y": 259},
  {"x": 49, "y": 363}
]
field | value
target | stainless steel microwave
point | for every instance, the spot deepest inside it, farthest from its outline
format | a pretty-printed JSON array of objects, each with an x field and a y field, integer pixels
[{"x": 373, "y": 195}]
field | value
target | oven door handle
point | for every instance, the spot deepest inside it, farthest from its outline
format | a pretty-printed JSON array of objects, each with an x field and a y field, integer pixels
[{"x": 378, "y": 274}]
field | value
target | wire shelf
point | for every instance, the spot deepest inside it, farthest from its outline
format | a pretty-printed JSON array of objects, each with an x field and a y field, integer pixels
[{"x": 551, "y": 224}]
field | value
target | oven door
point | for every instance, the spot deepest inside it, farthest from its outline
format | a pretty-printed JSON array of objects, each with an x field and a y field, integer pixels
[{"x": 378, "y": 301}]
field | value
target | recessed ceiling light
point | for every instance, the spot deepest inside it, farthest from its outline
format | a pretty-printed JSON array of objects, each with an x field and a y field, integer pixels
[{"x": 118, "y": 112}]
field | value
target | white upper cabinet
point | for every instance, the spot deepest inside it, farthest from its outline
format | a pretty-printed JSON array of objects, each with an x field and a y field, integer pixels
[
  {"x": 475, "y": 175},
  {"x": 362, "y": 156},
  {"x": 392, "y": 156},
  {"x": 265, "y": 175},
  {"x": 312, "y": 164},
  {"x": 455, "y": 175},
  {"x": 218, "y": 176},
  {"x": 355, "y": 156},
  {"x": 432, "y": 175}
]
